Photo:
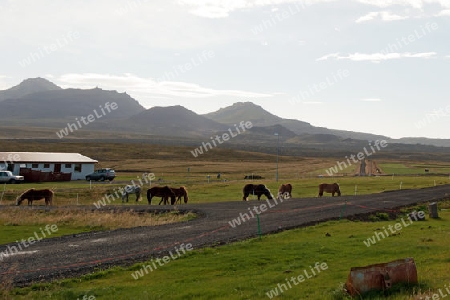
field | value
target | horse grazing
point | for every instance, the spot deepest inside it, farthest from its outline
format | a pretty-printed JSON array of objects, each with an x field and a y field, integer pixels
[
  {"x": 157, "y": 191},
  {"x": 131, "y": 189},
  {"x": 180, "y": 192},
  {"x": 329, "y": 188},
  {"x": 285, "y": 191},
  {"x": 34, "y": 195},
  {"x": 256, "y": 189}
]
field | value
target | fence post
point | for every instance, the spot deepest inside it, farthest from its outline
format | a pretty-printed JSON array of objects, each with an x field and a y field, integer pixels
[
  {"x": 433, "y": 210},
  {"x": 4, "y": 188},
  {"x": 259, "y": 225}
]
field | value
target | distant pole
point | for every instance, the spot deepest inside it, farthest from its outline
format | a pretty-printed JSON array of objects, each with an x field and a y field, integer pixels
[{"x": 278, "y": 150}]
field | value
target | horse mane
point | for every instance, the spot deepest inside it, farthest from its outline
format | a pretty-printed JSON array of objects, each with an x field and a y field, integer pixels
[
  {"x": 26, "y": 192},
  {"x": 21, "y": 197},
  {"x": 185, "y": 192}
]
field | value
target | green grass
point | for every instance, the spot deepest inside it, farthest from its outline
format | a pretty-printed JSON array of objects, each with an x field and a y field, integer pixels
[
  {"x": 200, "y": 191},
  {"x": 11, "y": 233},
  {"x": 250, "y": 269}
]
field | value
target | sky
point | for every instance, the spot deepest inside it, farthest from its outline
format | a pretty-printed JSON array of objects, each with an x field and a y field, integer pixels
[{"x": 376, "y": 66}]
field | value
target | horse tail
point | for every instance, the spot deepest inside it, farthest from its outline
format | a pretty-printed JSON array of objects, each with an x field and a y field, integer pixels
[
  {"x": 321, "y": 186},
  {"x": 50, "y": 197},
  {"x": 338, "y": 190},
  {"x": 149, "y": 196}
]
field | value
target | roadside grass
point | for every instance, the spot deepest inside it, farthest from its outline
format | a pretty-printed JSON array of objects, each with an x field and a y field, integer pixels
[
  {"x": 17, "y": 224},
  {"x": 250, "y": 269}
]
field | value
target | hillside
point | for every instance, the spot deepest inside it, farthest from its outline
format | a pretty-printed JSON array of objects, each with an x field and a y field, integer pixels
[
  {"x": 172, "y": 121},
  {"x": 259, "y": 117},
  {"x": 63, "y": 104},
  {"x": 38, "y": 102}
]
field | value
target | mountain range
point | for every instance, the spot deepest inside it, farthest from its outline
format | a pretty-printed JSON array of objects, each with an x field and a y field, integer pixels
[{"x": 39, "y": 102}]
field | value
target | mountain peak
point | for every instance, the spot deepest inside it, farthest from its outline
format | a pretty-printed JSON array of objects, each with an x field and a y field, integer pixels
[
  {"x": 37, "y": 84},
  {"x": 244, "y": 111},
  {"x": 28, "y": 86}
]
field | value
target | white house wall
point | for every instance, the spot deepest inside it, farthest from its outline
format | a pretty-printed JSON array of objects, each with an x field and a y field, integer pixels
[{"x": 86, "y": 168}]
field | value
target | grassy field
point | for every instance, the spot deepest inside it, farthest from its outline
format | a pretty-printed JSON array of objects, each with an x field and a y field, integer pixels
[
  {"x": 245, "y": 270},
  {"x": 253, "y": 268},
  {"x": 200, "y": 191}
]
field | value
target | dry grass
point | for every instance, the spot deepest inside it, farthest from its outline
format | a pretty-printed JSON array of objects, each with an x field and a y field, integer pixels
[{"x": 91, "y": 219}]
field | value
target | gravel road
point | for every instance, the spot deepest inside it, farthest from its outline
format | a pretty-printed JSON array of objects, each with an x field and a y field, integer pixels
[{"x": 74, "y": 255}]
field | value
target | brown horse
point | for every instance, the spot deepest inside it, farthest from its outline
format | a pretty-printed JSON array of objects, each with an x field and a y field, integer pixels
[
  {"x": 180, "y": 192},
  {"x": 256, "y": 189},
  {"x": 34, "y": 195},
  {"x": 158, "y": 191},
  {"x": 329, "y": 188},
  {"x": 285, "y": 191}
]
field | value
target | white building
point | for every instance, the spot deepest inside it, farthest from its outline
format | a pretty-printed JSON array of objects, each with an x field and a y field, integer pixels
[{"x": 74, "y": 163}]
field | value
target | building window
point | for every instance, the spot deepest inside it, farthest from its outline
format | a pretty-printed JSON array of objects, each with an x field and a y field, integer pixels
[
  {"x": 68, "y": 166},
  {"x": 34, "y": 166},
  {"x": 46, "y": 166},
  {"x": 77, "y": 168}
]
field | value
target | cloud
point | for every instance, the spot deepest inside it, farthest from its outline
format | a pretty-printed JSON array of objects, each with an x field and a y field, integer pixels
[
  {"x": 383, "y": 15},
  {"x": 147, "y": 88},
  {"x": 444, "y": 13},
  {"x": 376, "y": 57},
  {"x": 419, "y": 4},
  {"x": 312, "y": 102},
  {"x": 371, "y": 100},
  {"x": 222, "y": 8}
]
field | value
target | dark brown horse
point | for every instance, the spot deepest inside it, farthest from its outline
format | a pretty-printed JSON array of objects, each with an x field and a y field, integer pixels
[
  {"x": 34, "y": 195},
  {"x": 161, "y": 191},
  {"x": 256, "y": 189},
  {"x": 329, "y": 188},
  {"x": 285, "y": 191},
  {"x": 181, "y": 192}
]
